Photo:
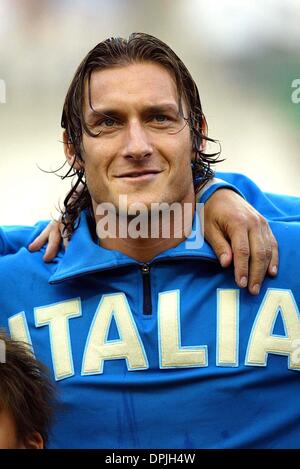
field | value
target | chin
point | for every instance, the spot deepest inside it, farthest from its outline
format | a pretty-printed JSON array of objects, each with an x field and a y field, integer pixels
[{"x": 141, "y": 201}]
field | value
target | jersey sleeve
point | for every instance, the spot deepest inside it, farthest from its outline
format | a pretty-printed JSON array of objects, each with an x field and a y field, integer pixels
[
  {"x": 213, "y": 185},
  {"x": 13, "y": 238},
  {"x": 277, "y": 207}
]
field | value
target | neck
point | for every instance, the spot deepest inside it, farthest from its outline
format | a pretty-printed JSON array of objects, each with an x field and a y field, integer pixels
[{"x": 157, "y": 234}]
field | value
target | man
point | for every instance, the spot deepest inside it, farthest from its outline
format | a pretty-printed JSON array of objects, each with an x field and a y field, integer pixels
[
  {"x": 26, "y": 397},
  {"x": 151, "y": 343}
]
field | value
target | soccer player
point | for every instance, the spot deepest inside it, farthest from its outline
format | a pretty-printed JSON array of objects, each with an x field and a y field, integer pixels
[
  {"x": 151, "y": 342},
  {"x": 26, "y": 397}
]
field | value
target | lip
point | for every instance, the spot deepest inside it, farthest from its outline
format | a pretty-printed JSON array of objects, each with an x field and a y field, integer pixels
[{"x": 139, "y": 175}]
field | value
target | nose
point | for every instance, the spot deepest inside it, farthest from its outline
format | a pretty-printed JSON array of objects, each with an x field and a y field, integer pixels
[{"x": 136, "y": 145}]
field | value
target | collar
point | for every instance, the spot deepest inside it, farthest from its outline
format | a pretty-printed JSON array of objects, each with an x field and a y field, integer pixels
[{"x": 84, "y": 255}]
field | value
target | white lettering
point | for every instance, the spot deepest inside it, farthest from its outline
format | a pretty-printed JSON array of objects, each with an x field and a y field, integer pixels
[
  {"x": 262, "y": 340},
  {"x": 227, "y": 327},
  {"x": 171, "y": 353},
  {"x": 129, "y": 346},
  {"x": 18, "y": 329},
  {"x": 57, "y": 317}
]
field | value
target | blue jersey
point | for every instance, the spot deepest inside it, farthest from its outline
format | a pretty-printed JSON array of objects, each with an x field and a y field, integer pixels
[
  {"x": 165, "y": 354},
  {"x": 273, "y": 206}
]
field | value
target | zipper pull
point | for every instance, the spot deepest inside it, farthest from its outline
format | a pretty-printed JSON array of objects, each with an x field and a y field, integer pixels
[{"x": 145, "y": 268}]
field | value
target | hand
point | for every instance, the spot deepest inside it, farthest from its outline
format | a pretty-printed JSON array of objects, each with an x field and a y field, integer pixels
[
  {"x": 237, "y": 231},
  {"x": 52, "y": 235}
]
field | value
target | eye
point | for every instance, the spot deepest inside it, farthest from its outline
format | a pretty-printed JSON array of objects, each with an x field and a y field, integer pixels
[
  {"x": 160, "y": 118},
  {"x": 108, "y": 122}
]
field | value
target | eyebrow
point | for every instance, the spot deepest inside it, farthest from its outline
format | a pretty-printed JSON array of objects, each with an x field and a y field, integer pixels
[{"x": 152, "y": 108}]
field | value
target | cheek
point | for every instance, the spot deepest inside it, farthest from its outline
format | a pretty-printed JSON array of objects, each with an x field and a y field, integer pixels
[
  {"x": 8, "y": 437},
  {"x": 181, "y": 146},
  {"x": 181, "y": 157},
  {"x": 93, "y": 163},
  {"x": 97, "y": 156}
]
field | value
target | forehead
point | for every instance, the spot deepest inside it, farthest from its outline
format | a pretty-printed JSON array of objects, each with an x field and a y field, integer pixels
[{"x": 136, "y": 84}]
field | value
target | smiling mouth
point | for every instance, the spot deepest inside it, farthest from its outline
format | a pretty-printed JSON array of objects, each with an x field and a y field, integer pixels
[{"x": 139, "y": 174}]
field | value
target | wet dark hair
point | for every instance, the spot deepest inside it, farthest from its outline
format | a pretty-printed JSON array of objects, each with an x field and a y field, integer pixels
[
  {"x": 139, "y": 47},
  {"x": 26, "y": 390}
]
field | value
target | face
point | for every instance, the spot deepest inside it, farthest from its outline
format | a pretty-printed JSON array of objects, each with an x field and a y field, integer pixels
[
  {"x": 8, "y": 434},
  {"x": 144, "y": 149}
]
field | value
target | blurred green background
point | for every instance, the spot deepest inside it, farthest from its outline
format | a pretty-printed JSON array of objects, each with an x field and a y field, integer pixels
[{"x": 244, "y": 56}]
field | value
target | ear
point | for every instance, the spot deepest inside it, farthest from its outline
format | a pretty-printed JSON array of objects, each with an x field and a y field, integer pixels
[
  {"x": 70, "y": 152},
  {"x": 34, "y": 441}
]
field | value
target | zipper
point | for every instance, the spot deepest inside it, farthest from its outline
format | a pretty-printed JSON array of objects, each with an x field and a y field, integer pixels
[
  {"x": 147, "y": 304},
  {"x": 145, "y": 270}
]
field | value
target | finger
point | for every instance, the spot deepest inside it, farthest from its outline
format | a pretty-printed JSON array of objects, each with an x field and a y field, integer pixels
[
  {"x": 241, "y": 253},
  {"x": 41, "y": 240},
  {"x": 220, "y": 245},
  {"x": 274, "y": 262},
  {"x": 65, "y": 241},
  {"x": 53, "y": 245},
  {"x": 63, "y": 234},
  {"x": 260, "y": 245}
]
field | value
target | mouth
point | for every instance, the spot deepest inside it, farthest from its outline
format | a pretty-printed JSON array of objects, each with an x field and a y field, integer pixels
[{"x": 139, "y": 175}]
